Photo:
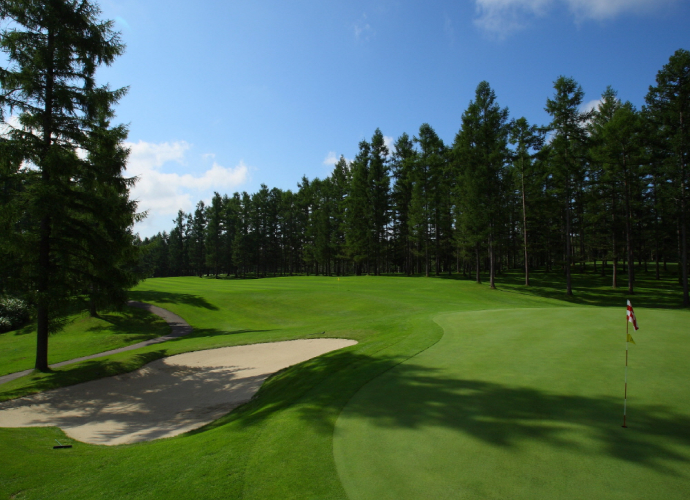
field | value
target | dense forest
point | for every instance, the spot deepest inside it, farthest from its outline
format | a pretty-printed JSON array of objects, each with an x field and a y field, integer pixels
[{"x": 601, "y": 190}]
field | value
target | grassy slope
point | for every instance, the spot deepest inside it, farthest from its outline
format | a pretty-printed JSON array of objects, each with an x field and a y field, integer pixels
[
  {"x": 526, "y": 404},
  {"x": 81, "y": 337},
  {"x": 279, "y": 445}
]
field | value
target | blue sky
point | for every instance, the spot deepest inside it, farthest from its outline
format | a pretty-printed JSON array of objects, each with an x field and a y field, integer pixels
[{"x": 225, "y": 96}]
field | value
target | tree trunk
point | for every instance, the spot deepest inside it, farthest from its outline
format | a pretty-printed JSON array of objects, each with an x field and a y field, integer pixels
[
  {"x": 478, "y": 277},
  {"x": 46, "y": 224},
  {"x": 524, "y": 225}
]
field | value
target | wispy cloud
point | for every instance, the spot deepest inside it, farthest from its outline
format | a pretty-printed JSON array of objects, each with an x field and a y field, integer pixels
[
  {"x": 591, "y": 105},
  {"x": 503, "y": 17},
  {"x": 448, "y": 29},
  {"x": 330, "y": 159},
  {"x": 122, "y": 22},
  {"x": 363, "y": 30},
  {"x": 163, "y": 193},
  {"x": 389, "y": 143},
  {"x": 607, "y": 9}
]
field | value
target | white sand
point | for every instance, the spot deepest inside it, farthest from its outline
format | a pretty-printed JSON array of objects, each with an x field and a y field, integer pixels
[{"x": 164, "y": 398}]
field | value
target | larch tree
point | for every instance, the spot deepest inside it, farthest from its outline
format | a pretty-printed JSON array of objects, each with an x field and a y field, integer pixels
[
  {"x": 568, "y": 145},
  {"x": 669, "y": 106},
  {"x": 481, "y": 153},
  {"x": 527, "y": 139},
  {"x": 53, "y": 49}
]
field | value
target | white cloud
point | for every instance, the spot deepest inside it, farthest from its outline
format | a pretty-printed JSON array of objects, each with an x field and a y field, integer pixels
[
  {"x": 502, "y": 17},
  {"x": 330, "y": 159},
  {"x": 591, "y": 105},
  {"x": 389, "y": 143},
  {"x": 162, "y": 193},
  {"x": 607, "y": 9},
  {"x": 10, "y": 123},
  {"x": 363, "y": 30}
]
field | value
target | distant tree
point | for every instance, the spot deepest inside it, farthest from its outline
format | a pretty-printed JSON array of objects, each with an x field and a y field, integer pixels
[
  {"x": 527, "y": 139},
  {"x": 214, "y": 234},
  {"x": 616, "y": 136},
  {"x": 569, "y": 143},
  {"x": 425, "y": 176},
  {"x": 358, "y": 210},
  {"x": 481, "y": 153},
  {"x": 402, "y": 167},
  {"x": 669, "y": 107},
  {"x": 379, "y": 190}
]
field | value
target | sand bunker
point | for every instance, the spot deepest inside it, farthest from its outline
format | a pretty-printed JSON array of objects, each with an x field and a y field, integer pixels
[{"x": 164, "y": 398}]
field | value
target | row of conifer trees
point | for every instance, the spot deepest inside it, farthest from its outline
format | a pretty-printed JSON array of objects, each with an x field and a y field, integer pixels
[{"x": 599, "y": 190}]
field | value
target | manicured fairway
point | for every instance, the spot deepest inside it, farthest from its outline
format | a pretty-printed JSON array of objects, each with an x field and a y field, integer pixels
[
  {"x": 281, "y": 444},
  {"x": 526, "y": 404}
]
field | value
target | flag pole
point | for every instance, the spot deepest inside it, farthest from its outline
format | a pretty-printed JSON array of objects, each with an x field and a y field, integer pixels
[{"x": 625, "y": 396}]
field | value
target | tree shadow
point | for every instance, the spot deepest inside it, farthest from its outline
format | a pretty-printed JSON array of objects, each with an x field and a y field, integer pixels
[
  {"x": 406, "y": 395},
  {"x": 84, "y": 371},
  {"x": 212, "y": 332},
  {"x": 171, "y": 298},
  {"x": 591, "y": 289},
  {"x": 137, "y": 324},
  {"x": 414, "y": 396}
]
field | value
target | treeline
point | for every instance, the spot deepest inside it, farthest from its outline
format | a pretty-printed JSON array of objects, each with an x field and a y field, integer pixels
[{"x": 604, "y": 188}]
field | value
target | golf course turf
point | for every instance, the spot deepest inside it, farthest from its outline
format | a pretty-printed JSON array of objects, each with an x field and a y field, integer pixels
[{"x": 453, "y": 391}]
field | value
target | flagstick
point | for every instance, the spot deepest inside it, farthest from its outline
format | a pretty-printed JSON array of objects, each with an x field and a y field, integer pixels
[{"x": 625, "y": 397}]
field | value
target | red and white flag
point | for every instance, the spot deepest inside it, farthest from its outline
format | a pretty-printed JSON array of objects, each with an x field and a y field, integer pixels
[{"x": 631, "y": 316}]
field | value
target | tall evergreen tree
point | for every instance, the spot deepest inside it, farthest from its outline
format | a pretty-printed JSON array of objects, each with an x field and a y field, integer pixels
[
  {"x": 569, "y": 149},
  {"x": 669, "y": 106},
  {"x": 214, "y": 234},
  {"x": 357, "y": 218},
  {"x": 403, "y": 161},
  {"x": 54, "y": 48},
  {"x": 526, "y": 138},
  {"x": 481, "y": 152},
  {"x": 379, "y": 187}
]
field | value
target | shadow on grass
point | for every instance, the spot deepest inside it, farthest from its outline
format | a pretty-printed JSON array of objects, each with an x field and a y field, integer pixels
[
  {"x": 137, "y": 324},
  {"x": 171, "y": 298},
  {"x": 76, "y": 374},
  {"x": 588, "y": 288},
  {"x": 413, "y": 396},
  {"x": 212, "y": 332}
]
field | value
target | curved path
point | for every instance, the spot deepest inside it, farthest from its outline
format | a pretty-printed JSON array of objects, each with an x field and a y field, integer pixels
[{"x": 178, "y": 328}]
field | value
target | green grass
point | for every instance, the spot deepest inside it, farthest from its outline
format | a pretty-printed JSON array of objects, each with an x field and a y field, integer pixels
[
  {"x": 281, "y": 444},
  {"x": 82, "y": 336},
  {"x": 526, "y": 404}
]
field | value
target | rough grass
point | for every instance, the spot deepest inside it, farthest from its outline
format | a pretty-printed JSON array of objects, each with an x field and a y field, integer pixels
[
  {"x": 280, "y": 445},
  {"x": 82, "y": 336}
]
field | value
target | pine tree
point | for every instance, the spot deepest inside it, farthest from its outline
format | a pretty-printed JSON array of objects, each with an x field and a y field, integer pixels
[
  {"x": 481, "y": 153},
  {"x": 569, "y": 150},
  {"x": 669, "y": 107},
  {"x": 526, "y": 139},
  {"x": 357, "y": 216},
  {"x": 379, "y": 188},
  {"x": 214, "y": 234},
  {"x": 54, "y": 48}
]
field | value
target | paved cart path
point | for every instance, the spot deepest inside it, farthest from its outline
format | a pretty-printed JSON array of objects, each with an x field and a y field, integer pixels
[{"x": 178, "y": 328}]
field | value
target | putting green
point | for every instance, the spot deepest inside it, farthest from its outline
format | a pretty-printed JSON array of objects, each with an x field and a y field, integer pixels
[{"x": 526, "y": 403}]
